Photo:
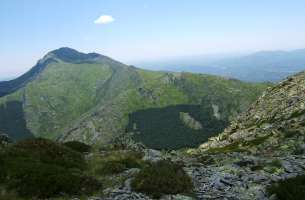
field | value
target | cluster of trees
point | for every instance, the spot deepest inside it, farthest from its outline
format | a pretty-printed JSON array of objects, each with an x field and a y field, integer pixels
[{"x": 162, "y": 128}]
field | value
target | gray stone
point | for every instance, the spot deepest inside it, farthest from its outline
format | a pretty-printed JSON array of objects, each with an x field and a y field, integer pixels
[{"x": 152, "y": 155}]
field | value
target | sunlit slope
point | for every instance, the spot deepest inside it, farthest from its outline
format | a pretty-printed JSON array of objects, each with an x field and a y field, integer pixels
[{"x": 91, "y": 98}]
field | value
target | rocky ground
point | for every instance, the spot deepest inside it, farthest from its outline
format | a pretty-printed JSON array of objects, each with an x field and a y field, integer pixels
[{"x": 231, "y": 176}]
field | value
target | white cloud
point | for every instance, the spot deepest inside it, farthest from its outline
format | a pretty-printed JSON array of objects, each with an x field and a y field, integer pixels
[{"x": 104, "y": 19}]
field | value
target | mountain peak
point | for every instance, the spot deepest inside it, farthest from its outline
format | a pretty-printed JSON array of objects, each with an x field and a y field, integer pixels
[
  {"x": 65, "y": 54},
  {"x": 65, "y": 50},
  {"x": 71, "y": 55}
]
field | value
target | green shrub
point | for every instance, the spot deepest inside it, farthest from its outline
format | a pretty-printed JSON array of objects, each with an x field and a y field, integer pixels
[
  {"x": 9, "y": 195},
  {"x": 291, "y": 133},
  {"x": 297, "y": 113},
  {"x": 78, "y": 146},
  {"x": 110, "y": 167},
  {"x": 47, "y": 151},
  {"x": 162, "y": 128},
  {"x": 42, "y": 168},
  {"x": 160, "y": 178},
  {"x": 117, "y": 162},
  {"x": 2, "y": 169},
  {"x": 298, "y": 150},
  {"x": 43, "y": 180},
  {"x": 276, "y": 163},
  {"x": 257, "y": 167},
  {"x": 233, "y": 147},
  {"x": 289, "y": 189}
]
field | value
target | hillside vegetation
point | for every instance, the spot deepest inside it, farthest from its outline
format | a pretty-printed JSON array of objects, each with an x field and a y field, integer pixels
[
  {"x": 273, "y": 124},
  {"x": 90, "y": 98}
]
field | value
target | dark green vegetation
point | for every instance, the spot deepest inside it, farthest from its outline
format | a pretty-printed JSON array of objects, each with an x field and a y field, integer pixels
[
  {"x": 12, "y": 120},
  {"x": 161, "y": 128},
  {"x": 42, "y": 168},
  {"x": 78, "y": 146},
  {"x": 163, "y": 177},
  {"x": 289, "y": 189},
  {"x": 88, "y": 98},
  {"x": 115, "y": 162}
]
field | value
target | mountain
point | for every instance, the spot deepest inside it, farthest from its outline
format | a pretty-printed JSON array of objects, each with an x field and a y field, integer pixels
[
  {"x": 69, "y": 95},
  {"x": 274, "y": 124},
  {"x": 65, "y": 54},
  {"x": 264, "y": 66}
]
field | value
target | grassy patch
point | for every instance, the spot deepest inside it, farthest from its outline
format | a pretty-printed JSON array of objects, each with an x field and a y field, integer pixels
[
  {"x": 291, "y": 133},
  {"x": 256, "y": 141},
  {"x": 161, "y": 178},
  {"x": 297, "y": 113},
  {"x": 115, "y": 162},
  {"x": 234, "y": 147},
  {"x": 239, "y": 146}
]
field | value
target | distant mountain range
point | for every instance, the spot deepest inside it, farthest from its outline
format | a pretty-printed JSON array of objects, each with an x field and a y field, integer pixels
[
  {"x": 264, "y": 66},
  {"x": 69, "y": 95}
]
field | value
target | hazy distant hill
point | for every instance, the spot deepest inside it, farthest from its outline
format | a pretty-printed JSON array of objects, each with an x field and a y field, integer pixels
[
  {"x": 90, "y": 97},
  {"x": 262, "y": 66}
]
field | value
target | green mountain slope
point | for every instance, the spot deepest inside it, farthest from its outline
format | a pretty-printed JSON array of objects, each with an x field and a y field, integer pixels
[{"x": 91, "y": 98}]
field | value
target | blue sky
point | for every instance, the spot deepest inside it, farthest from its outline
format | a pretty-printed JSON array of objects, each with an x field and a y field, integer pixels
[{"x": 145, "y": 30}]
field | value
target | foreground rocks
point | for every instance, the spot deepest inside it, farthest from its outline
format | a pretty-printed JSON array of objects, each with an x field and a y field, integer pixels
[
  {"x": 229, "y": 176},
  {"x": 227, "y": 179}
]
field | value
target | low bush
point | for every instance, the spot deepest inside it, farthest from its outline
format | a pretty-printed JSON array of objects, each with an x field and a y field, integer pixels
[
  {"x": 47, "y": 151},
  {"x": 160, "y": 178},
  {"x": 9, "y": 195},
  {"x": 276, "y": 163},
  {"x": 78, "y": 146},
  {"x": 291, "y": 133},
  {"x": 257, "y": 167},
  {"x": 2, "y": 169},
  {"x": 289, "y": 189},
  {"x": 117, "y": 162},
  {"x": 110, "y": 167},
  {"x": 42, "y": 168},
  {"x": 43, "y": 180},
  {"x": 298, "y": 150}
]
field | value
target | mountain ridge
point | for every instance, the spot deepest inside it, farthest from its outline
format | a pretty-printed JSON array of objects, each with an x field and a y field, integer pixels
[
  {"x": 262, "y": 66},
  {"x": 89, "y": 97},
  {"x": 63, "y": 53}
]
